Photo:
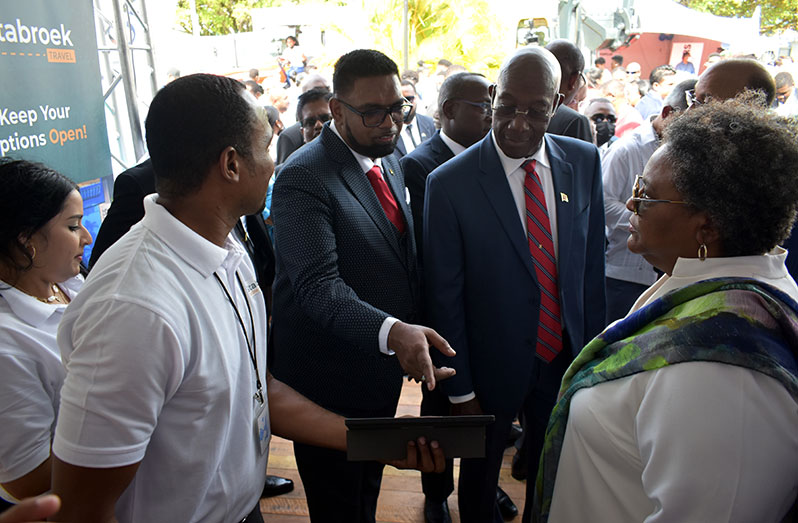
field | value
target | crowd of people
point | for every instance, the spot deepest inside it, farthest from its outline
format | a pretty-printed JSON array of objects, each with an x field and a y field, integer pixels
[{"x": 592, "y": 254}]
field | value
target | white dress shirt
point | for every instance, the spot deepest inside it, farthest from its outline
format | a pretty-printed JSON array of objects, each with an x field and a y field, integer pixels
[
  {"x": 516, "y": 176},
  {"x": 31, "y": 375},
  {"x": 409, "y": 129},
  {"x": 453, "y": 146},
  {"x": 692, "y": 442}
]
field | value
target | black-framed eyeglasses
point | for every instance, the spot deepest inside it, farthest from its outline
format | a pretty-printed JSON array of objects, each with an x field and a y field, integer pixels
[
  {"x": 691, "y": 99},
  {"x": 310, "y": 121},
  {"x": 600, "y": 117},
  {"x": 504, "y": 112},
  {"x": 639, "y": 196},
  {"x": 375, "y": 117},
  {"x": 410, "y": 98},
  {"x": 484, "y": 107}
]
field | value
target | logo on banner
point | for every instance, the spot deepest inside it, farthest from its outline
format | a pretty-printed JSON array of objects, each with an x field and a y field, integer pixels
[{"x": 55, "y": 40}]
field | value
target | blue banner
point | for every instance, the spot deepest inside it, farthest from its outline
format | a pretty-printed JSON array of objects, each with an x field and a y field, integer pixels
[{"x": 51, "y": 106}]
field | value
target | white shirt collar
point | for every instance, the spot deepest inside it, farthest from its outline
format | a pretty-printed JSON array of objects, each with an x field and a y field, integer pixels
[
  {"x": 770, "y": 265},
  {"x": 35, "y": 312},
  {"x": 453, "y": 146},
  {"x": 768, "y": 268},
  {"x": 198, "y": 252},
  {"x": 511, "y": 164}
]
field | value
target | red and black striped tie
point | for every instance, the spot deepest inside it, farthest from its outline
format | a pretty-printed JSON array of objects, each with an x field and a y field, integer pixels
[{"x": 541, "y": 246}]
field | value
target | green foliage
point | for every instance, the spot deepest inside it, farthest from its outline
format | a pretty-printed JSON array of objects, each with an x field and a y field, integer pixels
[
  {"x": 777, "y": 15},
  {"x": 465, "y": 32},
  {"x": 218, "y": 17}
]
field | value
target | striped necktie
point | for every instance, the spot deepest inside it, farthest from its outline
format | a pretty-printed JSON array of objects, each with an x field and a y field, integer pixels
[{"x": 541, "y": 246}]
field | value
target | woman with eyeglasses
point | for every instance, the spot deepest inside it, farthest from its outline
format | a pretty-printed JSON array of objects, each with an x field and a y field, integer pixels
[
  {"x": 687, "y": 409},
  {"x": 41, "y": 247}
]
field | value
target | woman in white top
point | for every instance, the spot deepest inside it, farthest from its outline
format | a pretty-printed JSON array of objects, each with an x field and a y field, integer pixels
[
  {"x": 41, "y": 247},
  {"x": 687, "y": 409}
]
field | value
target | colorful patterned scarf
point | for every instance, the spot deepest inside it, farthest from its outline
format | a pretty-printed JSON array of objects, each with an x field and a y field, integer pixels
[{"x": 738, "y": 321}]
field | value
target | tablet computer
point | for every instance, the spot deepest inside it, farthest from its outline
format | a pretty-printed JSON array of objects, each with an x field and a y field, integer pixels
[{"x": 386, "y": 438}]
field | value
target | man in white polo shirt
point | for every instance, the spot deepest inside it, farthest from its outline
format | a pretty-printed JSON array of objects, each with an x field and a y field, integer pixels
[{"x": 165, "y": 412}]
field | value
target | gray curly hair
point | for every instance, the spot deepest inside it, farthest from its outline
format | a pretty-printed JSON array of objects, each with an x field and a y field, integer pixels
[{"x": 739, "y": 163}]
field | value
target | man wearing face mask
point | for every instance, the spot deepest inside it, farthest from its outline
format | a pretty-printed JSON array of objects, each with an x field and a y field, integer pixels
[
  {"x": 628, "y": 274},
  {"x": 602, "y": 116}
]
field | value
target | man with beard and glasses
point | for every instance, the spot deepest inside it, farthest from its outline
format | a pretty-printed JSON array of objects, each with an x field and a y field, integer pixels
[{"x": 347, "y": 291}]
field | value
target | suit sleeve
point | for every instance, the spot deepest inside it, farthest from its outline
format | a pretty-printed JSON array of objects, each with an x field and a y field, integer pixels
[
  {"x": 415, "y": 181},
  {"x": 126, "y": 210},
  {"x": 595, "y": 299},
  {"x": 306, "y": 250},
  {"x": 445, "y": 284},
  {"x": 286, "y": 144},
  {"x": 582, "y": 130}
]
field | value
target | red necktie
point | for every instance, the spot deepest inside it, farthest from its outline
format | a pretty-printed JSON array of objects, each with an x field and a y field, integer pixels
[
  {"x": 386, "y": 198},
  {"x": 541, "y": 246}
]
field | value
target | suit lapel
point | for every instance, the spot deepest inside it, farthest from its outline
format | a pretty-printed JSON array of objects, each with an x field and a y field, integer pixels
[
  {"x": 393, "y": 175},
  {"x": 440, "y": 149},
  {"x": 360, "y": 187},
  {"x": 400, "y": 146},
  {"x": 562, "y": 174},
  {"x": 497, "y": 189}
]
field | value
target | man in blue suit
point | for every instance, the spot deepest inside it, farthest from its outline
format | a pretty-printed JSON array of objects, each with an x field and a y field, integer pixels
[
  {"x": 514, "y": 265},
  {"x": 347, "y": 290},
  {"x": 465, "y": 116}
]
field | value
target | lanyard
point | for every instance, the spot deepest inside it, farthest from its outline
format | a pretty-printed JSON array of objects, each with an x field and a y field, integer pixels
[{"x": 251, "y": 347}]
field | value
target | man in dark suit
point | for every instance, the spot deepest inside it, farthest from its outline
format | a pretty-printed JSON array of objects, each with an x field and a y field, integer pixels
[
  {"x": 417, "y": 128},
  {"x": 466, "y": 120},
  {"x": 464, "y": 106},
  {"x": 514, "y": 266},
  {"x": 127, "y": 206},
  {"x": 566, "y": 121},
  {"x": 291, "y": 138},
  {"x": 347, "y": 290}
]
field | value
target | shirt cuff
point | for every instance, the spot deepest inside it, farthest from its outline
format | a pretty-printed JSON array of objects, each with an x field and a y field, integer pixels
[
  {"x": 454, "y": 400},
  {"x": 383, "y": 335}
]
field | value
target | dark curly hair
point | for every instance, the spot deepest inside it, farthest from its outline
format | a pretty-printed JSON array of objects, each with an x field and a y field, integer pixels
[
  {"x": 739, "y": 164},
  {"x": 34, "y": 194}
]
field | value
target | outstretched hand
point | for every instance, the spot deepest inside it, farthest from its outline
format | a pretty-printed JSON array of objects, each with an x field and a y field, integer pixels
[
  {"x": 411, "y": 343},
  {"x": 422, "y": 456}
]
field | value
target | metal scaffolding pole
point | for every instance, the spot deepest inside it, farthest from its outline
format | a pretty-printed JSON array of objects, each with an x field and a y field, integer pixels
[{"x": 126, "y": 64}]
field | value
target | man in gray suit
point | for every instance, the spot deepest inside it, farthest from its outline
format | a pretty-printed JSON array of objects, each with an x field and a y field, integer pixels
[{"x": 347, "y": 291}]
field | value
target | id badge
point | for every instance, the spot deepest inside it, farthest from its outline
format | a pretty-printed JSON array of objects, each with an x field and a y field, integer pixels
[{"x": 263, "y": 432}]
